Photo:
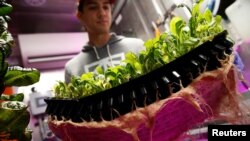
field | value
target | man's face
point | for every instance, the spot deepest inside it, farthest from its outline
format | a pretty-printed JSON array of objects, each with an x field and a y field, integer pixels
[{"x": 96, "y": 16}]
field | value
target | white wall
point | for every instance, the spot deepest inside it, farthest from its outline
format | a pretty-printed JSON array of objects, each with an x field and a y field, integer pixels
[{"x": 50, "y": 50}]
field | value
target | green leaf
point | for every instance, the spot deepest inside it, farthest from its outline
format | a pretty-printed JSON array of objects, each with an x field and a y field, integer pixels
[
  {"x": 13, "y": 116},
  {"x": 3, "y": 24},
  {"x": 18, "y": 76},
  {"x": 87, "y": 76},
  {"x": 13, "y": 97},
  {"x": 132, "y": 64},
  {"x": 208, "y": 15},
  {"x": 3, "y": 69},
  {"x": 99, "y": 70},
  {"x": 5, "y": 8},
  {"x": 7, "y": 42},
  {"x": 176, "y": 24}
]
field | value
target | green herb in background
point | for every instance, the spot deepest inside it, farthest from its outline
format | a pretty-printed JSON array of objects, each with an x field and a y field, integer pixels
[{"x": 14, "y": 116}]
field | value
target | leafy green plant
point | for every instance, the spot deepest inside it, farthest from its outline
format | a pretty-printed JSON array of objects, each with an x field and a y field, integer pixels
[
  {"x": 182, "y": 38},
  {"x": 14, "y": 117}
]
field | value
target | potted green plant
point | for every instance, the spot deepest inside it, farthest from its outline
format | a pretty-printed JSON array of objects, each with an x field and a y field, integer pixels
[
  {"x": 14, "y": 117},
  {"x": 132, "y": 101},
  {"x": 186, "y": 50},
  {"x": 203, "y": 30}
]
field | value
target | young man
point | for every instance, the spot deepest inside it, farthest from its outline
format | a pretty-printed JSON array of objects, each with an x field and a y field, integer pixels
[{"x": 103, "y": 48}]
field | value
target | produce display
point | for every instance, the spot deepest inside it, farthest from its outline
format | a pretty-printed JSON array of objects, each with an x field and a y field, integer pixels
[
  {"x": 14, "y": 117},
  {"x": 181, "y": 79}
]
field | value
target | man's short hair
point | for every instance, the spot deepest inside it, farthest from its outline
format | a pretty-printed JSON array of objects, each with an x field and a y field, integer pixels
[{"x": 81, "y": 2}]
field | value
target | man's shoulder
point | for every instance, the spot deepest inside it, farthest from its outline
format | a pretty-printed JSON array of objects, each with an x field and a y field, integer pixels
[
  {"x": 122, "y": 38},
  {"x": 73, "y": 61},
  {"x": 130, "y": 44},
  {"x": 131, "y": 40}
]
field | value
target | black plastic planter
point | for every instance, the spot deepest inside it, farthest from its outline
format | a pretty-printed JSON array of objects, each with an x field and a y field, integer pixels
[{"x": 142, "y": 91}]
